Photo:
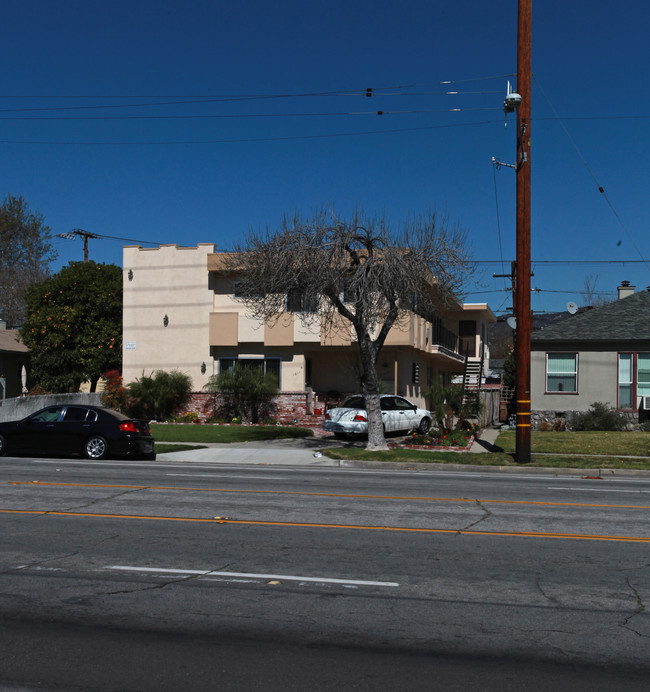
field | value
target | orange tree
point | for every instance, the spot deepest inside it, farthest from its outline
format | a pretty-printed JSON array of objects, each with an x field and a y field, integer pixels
[{"x": 74, "y": 326}]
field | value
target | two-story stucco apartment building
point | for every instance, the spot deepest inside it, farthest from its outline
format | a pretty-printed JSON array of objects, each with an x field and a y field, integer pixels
[{"x": 181, "y": 313}]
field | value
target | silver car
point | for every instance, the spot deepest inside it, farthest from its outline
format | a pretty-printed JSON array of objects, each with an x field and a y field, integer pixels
[{"x": 397, "y": 413}]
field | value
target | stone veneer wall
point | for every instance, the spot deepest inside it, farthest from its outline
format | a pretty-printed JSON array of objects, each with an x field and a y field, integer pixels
[
  {"x": 289, "y": 406},
  {"x": 560, "y": 419}
]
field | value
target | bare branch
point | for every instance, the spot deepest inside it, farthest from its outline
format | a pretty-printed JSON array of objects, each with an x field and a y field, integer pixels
[{"x": 359, "y": 269}]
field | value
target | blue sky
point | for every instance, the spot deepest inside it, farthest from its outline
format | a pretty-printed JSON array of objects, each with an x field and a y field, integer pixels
[{"x": 173, "y": 172}]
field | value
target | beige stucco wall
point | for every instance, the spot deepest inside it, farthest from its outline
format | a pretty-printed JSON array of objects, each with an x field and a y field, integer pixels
[
  {"x": 597, "y": 381},
  {"x": 173, "y": 281},
  {"x": 206, "y": 323}
]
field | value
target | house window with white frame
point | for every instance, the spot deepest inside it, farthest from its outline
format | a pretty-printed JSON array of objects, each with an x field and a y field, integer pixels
[{"x": 562, "y": 373}]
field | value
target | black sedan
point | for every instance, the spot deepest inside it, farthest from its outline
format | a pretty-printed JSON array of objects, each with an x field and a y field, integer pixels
[{"x": 92, "y": 431}]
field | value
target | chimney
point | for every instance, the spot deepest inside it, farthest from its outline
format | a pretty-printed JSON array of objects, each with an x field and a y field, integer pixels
[{"x": 625, "y": 290}]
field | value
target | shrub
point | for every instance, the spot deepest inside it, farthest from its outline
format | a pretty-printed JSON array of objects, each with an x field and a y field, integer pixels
[
  {"x": 599, "y": 417},
  {"x": 559, "y": 424},
  {"x": 452, "y": 402},
  {"x": 115, "y": 395},
  {"x": 159, "y": 395},
  {"x": 245, "y": 391},
  {"x": 189, "y": 417},
  {"x": 444, "y": 438}
]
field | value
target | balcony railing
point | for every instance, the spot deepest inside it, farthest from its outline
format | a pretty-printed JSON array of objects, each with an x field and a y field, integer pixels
[{"x": 441, "y": 336}]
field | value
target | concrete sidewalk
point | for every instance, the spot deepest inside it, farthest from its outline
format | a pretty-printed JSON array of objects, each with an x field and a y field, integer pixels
[
  {"x": 294, "y": 452},
  {"x": 485, "y": 442}
]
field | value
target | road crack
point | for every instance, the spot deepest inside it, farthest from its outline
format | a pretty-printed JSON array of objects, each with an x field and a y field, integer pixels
[
  {"x": 487, "y": 514},
  {"x": 169, "y": 582},
  {"x": 640, "y": 607},
  {"x": 105, "y": 499}
]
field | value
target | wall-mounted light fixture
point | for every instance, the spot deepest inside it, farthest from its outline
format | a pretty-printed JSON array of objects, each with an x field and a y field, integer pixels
[
  {"x": 130, "y": 274},
  {"x": 203, "y": 368},
  {"x": 165, "y": 320}
]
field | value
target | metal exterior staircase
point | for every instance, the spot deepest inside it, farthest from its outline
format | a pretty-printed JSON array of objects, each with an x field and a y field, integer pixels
[{"x": 472, "y": 374}]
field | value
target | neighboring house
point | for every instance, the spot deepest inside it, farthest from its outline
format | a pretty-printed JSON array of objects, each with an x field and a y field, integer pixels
[
  {"x": 181, "y": 312},
  {"x": 13, "y": 355},
  {"x": 598, "y": 355}
]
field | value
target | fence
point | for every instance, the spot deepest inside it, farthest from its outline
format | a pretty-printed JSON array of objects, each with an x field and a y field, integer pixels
[
  {"x": 490, "y": 406},
  {"x": 20, "y": 407}
]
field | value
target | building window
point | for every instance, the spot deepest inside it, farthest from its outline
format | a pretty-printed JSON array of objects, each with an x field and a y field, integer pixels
[
  {"x": 297, "y": 301},
  {"x": 643, "y": 374},
  {"x": 625, "y": 382},
  {"x": 562, "y": 372},
  {"x": 349, "y": 293},
  {"x": 269, "y": 366},
  {"x": 629, "y": 386}
]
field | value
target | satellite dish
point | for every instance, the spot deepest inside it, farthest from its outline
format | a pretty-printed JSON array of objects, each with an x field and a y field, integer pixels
[
  {"x": 572, "y": 308},
  {"x": 512, "y": 322}
]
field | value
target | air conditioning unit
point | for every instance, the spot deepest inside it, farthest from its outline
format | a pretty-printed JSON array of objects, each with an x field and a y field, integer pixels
[{"x": 645, "y": 403}]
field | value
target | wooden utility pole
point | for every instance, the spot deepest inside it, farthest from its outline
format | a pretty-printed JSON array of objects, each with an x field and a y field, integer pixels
[{"x": 522, "y": 302}]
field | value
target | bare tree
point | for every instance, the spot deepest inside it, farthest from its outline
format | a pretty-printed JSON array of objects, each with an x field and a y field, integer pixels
[
  {"x": 593, "y": 297},
  {"x": 356, "y": 275},
  {"x": 25, "y": 256}
]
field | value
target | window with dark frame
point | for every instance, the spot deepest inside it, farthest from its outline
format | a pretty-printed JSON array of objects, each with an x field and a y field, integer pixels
[
  {"x": 633, "y": 378},
  {"x": 297, "y": 301},
  {"x": 269, "y": 366}
]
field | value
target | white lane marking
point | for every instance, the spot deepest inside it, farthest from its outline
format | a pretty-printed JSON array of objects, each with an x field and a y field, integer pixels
[
  {"x": 600, "y": 490},
  {"x": 251, "y": 575}
]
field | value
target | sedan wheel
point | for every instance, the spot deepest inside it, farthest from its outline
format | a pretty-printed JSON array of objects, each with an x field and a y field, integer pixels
[
  {"x": 95, "y": 447},
  {"x": 425, "y": 425},
  {"x": 3, "y": 445}
]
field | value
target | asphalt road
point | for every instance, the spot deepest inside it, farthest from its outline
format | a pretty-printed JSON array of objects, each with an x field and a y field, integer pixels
[{"x": 141, "y": 576}]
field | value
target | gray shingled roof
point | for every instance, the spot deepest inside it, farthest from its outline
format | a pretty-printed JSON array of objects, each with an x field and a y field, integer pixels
[
  {"x": 627, "y": 319},
  {"x": 9, "y": 342}
]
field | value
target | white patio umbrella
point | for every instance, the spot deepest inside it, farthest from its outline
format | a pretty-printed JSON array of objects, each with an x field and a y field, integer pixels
[{"x": 23, "y": 377}]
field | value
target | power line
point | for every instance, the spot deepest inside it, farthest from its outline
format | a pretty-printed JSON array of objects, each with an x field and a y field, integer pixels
[
  {"x": 244, "y": 115},
  {"x": 363, "y": 91},
  {"x": 591, "y": 173},
  {"x": 567, "y": 262},
  {"x": 256, "y": 139}
]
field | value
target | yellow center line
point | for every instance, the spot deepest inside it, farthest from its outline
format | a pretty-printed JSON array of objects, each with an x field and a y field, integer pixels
[
  {"x": 356, "y": 496},
  {"x": 358, "y": 527}
]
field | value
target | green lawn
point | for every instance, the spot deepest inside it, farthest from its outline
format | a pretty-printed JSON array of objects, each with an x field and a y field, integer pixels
[
  {"x": 608, "y": 443},
  {"x": 548, "y": 450},
  {"x": 225, "y": 433}
]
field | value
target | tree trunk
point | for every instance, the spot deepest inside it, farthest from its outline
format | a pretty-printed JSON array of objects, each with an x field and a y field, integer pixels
[{"x": 370, "y": 388}]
